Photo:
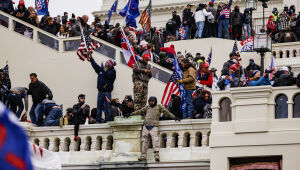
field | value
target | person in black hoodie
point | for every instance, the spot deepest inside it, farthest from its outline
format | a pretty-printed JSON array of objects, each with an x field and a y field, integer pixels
[
  {"x": 7, "y": 6},
  {"x": 202, "y": 104},
  {"x": 105, "y": 85},
  {"x": 39, "y": 91},
  {"x": 81, "y": 111},
  {"x": 187, "y": 20},
  {"x": 22, "y": 12}
]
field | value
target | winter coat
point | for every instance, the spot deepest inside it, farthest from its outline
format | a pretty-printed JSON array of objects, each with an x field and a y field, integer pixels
[
  {"x": 201, "y": 14},
  {"x": 284, "y": 80},
  {"x": 152, "y": 114},
  {"x": 138, "y": 71},
  {"x": 170, "y": 49},
  {"x": 38, "y": 91},
  {"x": 23, "y": 92},
  {"x": 199, "y": 105},
  {"x": 81, "y": 114},
  {"x": 246, "y": 19},
  {"x": 225, "y": 85},
  {"x": 235, "y": 18},
  {"x": 7, "y": 6},
  {"x": 205, "y": 78},
  {"x": 174, "y": 106},
  {"x": 177, "y": 19},
  {"x": 271, "y": 27},
  {"x": 263, "y": 81},
  {"x": 106, "y": 78},
  {"x": 126, "y": 111},
  {"x": 47, "y": 106},
  {"x": 171, "y": 27},
  {"x": 213, "y": 12},
  {"x": 187, "y": 16},
  {"x": 23, "y": 11},
  {"x": 252, "y": 67},
  {"x": 189, "y": 78},
  {"x": 226, "y": 66},
  {"x": 32, "y": 21}
]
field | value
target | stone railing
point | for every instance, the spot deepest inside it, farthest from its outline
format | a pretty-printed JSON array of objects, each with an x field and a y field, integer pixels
[
  {"x": 286, "y": 50},
  {"x": 256, "y": 109},
  {"x": 71, "y": 44},
  {"x": 120, "y": 140}
]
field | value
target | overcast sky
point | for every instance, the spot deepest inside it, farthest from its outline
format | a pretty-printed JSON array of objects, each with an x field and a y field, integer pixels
[{"x": 78, "y": 7}]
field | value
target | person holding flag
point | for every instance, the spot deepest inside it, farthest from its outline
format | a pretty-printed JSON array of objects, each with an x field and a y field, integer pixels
[
  {"x": 141, "y": 75},
  {"x": 41, "y": 7},
  {"x": 189, "y": 83}
]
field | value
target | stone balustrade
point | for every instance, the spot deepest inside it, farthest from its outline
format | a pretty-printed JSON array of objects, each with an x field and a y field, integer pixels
[
  {"x": 286, "y": 50},
  {"x": 120, "y": 140}
]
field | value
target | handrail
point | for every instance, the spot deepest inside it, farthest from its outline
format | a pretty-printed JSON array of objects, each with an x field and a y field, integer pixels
[{"x": 61, "y": 41}]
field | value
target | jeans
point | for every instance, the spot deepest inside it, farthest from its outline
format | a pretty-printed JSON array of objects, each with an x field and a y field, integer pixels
[
  {"x": 15, "y": 101},
  {"x": 223, "y": 24},
  {"x": 247, "y": 31},
  {"x": 200, "y": 26},
  {"x": 53, "y": 117},
  {"x": 36, "y": 114},
  {"x": 188, "y": 113},
  {"x": 186, "y": 32},
  {"x": 101, "y": 102}
]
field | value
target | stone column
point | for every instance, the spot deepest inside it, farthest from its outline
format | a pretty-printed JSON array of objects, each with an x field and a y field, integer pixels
[
  {"x": 192, "y": 139},
  {"x": 180, "y": 139},
  {"x": 169, "y": 140},
  {"x": 126, "y": 138},
  {"x": 94, "y": 143},
  {"x": 72, "y": 145},
  {"x": 204, "y": 140}
]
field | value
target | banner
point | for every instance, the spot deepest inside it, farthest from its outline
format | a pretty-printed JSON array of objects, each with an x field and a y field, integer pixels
[
  {"x": 248, "y": 45},
  {"x": 41, "y": 7}
]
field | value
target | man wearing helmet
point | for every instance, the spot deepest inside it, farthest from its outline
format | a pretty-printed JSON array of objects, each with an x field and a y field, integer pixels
[
  {"x": 141, "y": 76},
  {"x": 152, "y": 114}
]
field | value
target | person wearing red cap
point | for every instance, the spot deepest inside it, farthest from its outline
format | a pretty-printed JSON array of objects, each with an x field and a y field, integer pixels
[
  {"x": 105, "y": 85},
  {"x": 6, "y": 6},
  {"x": 271, "y": 27},
  {"x": 204, "y": 76},
  {"x": 234, "y": 59},
  {"x": 230, "y": 80},
  {"x": 21, "y": 13},
  {"x": 141, "y": 75}
]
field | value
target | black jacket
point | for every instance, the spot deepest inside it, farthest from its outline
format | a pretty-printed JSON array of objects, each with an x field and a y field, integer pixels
[
  {"x": 284, "y": 80},
  {"x": 187, "y": 16},
  {"x": 7, "y": 6},
  {"x": 126, "y": 111},
  {"x": 252, "y": 67},
  {"x": 226, "y": 66},
  {"x": 171, "y": 27},
  {"x": 81, "y": 114},
  {"x": 177, "y": 19},
  {"x": 23, "y": 11},
  {"x": 38, "y": 91}
]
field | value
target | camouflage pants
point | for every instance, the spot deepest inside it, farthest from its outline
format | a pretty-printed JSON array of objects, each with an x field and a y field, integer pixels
[
  {"x": 147, "y": 135},
  {"x": 140, "y": 92}
]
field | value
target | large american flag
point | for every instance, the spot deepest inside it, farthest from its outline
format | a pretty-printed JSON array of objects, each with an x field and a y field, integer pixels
[
  {"x": 235, "y": 48},
  {"x": 87, "y": 46},
  {"x": 171, "y": 88},
  {"x": 145, "y": 20}
]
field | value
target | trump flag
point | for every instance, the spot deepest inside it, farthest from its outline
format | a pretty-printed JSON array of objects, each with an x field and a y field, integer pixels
[
  {"x": 42, "y": 7},
  {"x": 14, "y": 148}
]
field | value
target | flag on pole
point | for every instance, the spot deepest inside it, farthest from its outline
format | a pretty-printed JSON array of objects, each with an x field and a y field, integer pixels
[
  {"x": 112, "y": 9},
  {"x": 41, "y": 7},
  {"x": 131, "y": 11},
  {"x": 181, "y": 32},
  {"x": 272, "y": 67},
  {"x": 14, "y": 148},
  {"x": 86, "y": 47},
  {"x": 128, "y": 50},
  {"x": 209, "y": 56},
  {"x": 235, "y": 48},
  {"x": 145, "y": 20}
]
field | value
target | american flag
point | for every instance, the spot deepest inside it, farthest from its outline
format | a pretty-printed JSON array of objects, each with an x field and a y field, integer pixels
[
  {"x": 145, "y": 20},
  {"x": 174, "y": 88},
  {"x": 235, "y": 48},
  {"x": 171, "y": 88},
  {"x": 181, "y": 32},
  {"x": 87, "y": 46}
]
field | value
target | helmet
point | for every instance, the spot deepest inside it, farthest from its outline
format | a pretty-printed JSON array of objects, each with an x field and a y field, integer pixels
[{"x": 152, "y": 98}]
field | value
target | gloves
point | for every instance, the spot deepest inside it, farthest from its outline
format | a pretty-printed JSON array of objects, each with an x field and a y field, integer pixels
[
  {"x": 180, "y": 81},
  {"x": 177, "y": 119}
]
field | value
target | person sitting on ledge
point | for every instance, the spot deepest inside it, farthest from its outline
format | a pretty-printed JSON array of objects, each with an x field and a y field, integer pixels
[
  {"x": 150, "y": 128},
  {"x": 81, "y": 112}
]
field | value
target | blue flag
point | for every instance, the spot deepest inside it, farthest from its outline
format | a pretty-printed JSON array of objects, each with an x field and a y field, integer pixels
[
  {"x": 42, "y": 7},
  {"x": 235, "y": 48},
  {"x": 209, "y": 56},
  {"x": 181, "y": 88},
  {"x": 14, "y": 147},
  {"x": 112, "y": 9},
  {"x": 131, "y": 11}
]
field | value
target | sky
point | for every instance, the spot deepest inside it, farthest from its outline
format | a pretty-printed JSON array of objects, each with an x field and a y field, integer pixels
[{"x": 78, "y": 7}]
